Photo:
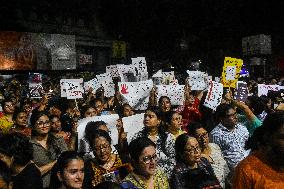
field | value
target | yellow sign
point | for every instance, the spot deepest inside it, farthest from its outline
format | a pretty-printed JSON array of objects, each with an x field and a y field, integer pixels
[
  {"x": 119, "y": 49},
  {"x": 231, "y": 71}
]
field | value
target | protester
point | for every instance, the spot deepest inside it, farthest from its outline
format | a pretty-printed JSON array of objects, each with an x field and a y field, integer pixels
[
  {"x": 20, "y": 119},
  {"x": 68, "y": 172},
  {"x": 104, "y": 161},
  {"x": 6, "y": 119},
  {"x": 191, "y": 170},
  {"x": 174, "y": 124},
  {"x": 264, "y": 167},
  {"x": 210, "y": 151},
  {"x": 146, "y": 173},
  {"x": 18, "y": 154},
  {"x": 46, "y": 146},
  {"x": 154, "y": 130},
  {"x": 230, "y": 135}
]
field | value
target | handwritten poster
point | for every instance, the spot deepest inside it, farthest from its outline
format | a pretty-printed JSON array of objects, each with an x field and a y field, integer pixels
[
  {"x": 214, "y": 95},
  {"x": 231, "y": 71}
]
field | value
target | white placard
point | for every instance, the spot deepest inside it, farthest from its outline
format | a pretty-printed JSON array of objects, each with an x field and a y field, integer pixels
[
  {"x": 105, "y": 80},
  {"x": 263, "y": 89},
  {"x": 94, "y": 84},
  {"x": 196, "y": 80},
  {"x": 110, "y": 120},
  {"x": 231, "y": 73},
  {"x": 214, "y": 95},
  {"x": 74, "y": 90},
  {"x": 133, "y": 124},
  {"x": 174, "y": 92},
  {"x": 66, "y": 82},
  {"x": 136, "y": 94}
]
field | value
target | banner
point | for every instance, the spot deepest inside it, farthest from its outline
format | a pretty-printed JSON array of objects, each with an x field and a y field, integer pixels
[
  {"x": 214, "y": 95},
  {"x": 85, "y": 59},
  {"x": 174, "y": 92},
  {"x": 136, "y": 94},
  {"x": 231, "y": 71}
]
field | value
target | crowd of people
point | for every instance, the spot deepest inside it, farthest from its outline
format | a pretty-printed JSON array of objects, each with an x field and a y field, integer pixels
[{"x": 238, "y": 145}]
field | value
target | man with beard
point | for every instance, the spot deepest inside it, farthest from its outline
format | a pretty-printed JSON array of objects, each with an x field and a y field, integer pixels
[{"x": 264, "y": 168}]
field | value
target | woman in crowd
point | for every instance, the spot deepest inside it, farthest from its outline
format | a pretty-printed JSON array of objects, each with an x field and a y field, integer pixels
[
  {"x": 20, "y": 119},
  {"x": 88, "y": 111},
  {"x": 210, "y": 151},
  {"x": 6, "y": 119},
  {"x": 5, "y": 175},
  {"x": 18, "y": 154},
  {"x": 68, "y": 172},
  {"x": 174, "y": 124},
  {"x": 90, "y": 131},
  {"x": 146, "y": 174},
  {"x": 192, "y": 170},
  {"x": 104, "y": 162},
  {"x": 69, "y": 137},
  {"x": 47, "y": 147},
  {"x": 154, "y": 130}
]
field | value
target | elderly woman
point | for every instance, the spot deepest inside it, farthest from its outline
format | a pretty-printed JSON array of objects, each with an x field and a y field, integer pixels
[
  {"x": 192, "y": 170},
  {"x": 164, "y": 141},
  {"x": 104, "y": 163},
  {"x": 46, "y": 146},
  {"x": 144, "y": 160},
  {"x": 211, "y": 152}
]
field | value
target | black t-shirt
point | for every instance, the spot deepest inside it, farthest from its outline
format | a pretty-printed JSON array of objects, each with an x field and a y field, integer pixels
[{"x": 28, "y": 178}]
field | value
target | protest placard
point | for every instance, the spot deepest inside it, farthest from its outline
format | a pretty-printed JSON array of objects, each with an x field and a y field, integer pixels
[
  {"x": 197, "y": 80},
  {"x": 241, "y": 93},
  {"x": 214, "y": 95},
  {"x": 264, "y": 89},
  {"x": 136, "y": 94},
  {"x": 231, "y": 71},
  {"x": 68, "y": 83},
  {"x": 174, "y": 92},
  {"x": 133, "y": 124}
]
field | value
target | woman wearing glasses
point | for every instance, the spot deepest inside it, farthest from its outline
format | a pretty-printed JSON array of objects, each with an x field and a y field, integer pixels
[
  {"x": 192, "y": 170},
  {"x": 106, "y": 166},
  {"x": 211, "y": 152},
  {"x": 154, "y": 130},
  {"x": 47, "y": 147},
  {"x": 145, "y": 175}
]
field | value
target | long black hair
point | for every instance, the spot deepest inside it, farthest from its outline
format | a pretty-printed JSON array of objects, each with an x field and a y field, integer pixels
[
  {"x": 61, "y": 164},
  {"x": 161, "y": 130}
]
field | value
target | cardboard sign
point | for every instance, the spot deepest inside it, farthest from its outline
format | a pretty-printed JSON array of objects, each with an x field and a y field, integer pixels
[
  {"x": 242, "y": 91},
  {"x": 65, "y": 83},
  {"x": 214, "y": 95},
  {"x": 112, "y": 70},
  {"x": 197, "y": 80},
  {"x": 139, "y": 65},
  {"x": 174, "y": 92},
  {"x": 231, "y": 71},
  {"x": 133, "y": 124},
  {"x": 35, "y": 90},
  {"x": 136, "y": 94}
]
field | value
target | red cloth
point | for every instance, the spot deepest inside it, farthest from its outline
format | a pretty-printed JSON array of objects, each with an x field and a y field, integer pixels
[{"x": 189, "y": 113}]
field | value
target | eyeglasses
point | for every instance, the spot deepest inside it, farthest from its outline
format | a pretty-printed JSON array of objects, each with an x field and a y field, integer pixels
[
  {"x": 101, "y": 147},
  {"x": 41, "y": 123},
  {"x": 148, "y": 159},
  {"x": 193, "y": 150}
]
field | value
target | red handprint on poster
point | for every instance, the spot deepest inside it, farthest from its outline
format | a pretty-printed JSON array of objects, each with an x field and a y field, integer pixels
[{"x": 124, "y": 89}]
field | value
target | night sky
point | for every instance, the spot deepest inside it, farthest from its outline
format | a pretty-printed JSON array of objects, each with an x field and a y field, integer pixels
[{"x": 212, "y": 29}]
